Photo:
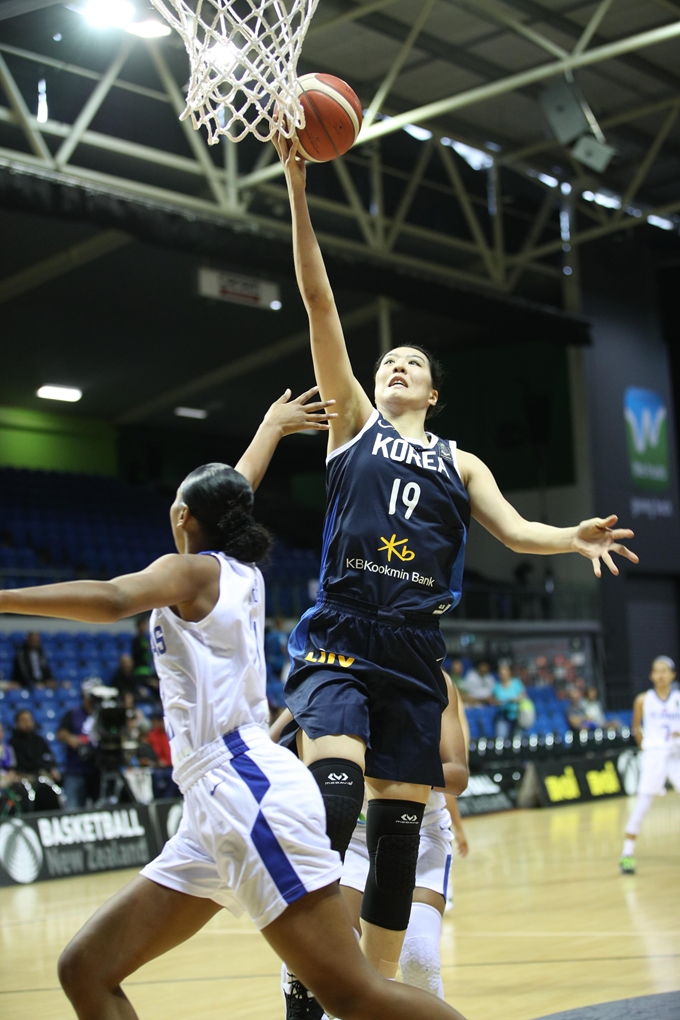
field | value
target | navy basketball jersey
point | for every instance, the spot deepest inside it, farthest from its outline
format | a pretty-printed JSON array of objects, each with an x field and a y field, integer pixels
[{"x": 396, "y": 521}]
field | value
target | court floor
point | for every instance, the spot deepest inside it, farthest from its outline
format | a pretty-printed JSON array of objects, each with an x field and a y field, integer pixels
[{"x": 543, "y": 922}]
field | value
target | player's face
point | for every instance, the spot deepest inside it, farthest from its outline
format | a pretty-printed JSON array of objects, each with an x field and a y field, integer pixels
[
  {"x": 403, "y": 381},
  {"x": 662, "y": 675}
]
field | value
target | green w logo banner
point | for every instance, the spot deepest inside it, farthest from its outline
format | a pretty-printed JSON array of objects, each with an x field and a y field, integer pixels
[{"x": 647, "y": 431}]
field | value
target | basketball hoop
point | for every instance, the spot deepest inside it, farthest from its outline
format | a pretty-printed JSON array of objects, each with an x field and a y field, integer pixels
[{"x": 243, "y": 56}]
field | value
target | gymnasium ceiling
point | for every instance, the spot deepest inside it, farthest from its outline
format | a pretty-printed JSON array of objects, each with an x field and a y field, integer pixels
[{"x": 109, "y": 205}]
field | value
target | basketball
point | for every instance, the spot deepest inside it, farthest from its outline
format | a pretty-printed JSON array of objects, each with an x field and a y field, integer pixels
[{"x": 332, "y": 117}]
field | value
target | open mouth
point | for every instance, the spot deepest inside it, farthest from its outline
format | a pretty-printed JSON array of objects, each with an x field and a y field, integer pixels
[{"x": 398, "y": 382}]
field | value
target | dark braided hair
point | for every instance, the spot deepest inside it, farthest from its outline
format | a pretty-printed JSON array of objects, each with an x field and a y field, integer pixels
[
  {"x": 437, "y": 373},
  {"x": 221, "y": 500}
]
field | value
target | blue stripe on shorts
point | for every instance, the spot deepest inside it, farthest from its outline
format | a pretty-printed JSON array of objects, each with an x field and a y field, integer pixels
[
  {"x": 282, "y": 872},
  {"x": 446, "y": 875}
]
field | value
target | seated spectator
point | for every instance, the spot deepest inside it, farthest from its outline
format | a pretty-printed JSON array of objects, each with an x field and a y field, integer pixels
[
  {"x": 124, "y": 679},
  {"x": 576, "y": 716},
  {"x": 142, "y": 660},
  {"x": 31, "y": 668},
  {"x": 8, "y": 761},
  {"x": 457, "y": 674},
  {"x": 477, "y": 687},
  {"x": 33, "y": 754},
  {"x": 157, "y": 739},
  {"x": 508, "y": 692},
  {"x": 81, "y": 776},
  {"x": 592, "y": 709}
]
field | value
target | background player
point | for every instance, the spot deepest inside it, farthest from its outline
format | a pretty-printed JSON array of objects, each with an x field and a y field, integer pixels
[
  {"x": 656, "y": 728},
  {"x": 253, "y": 829},
  {"x": 366, "y": 687}
]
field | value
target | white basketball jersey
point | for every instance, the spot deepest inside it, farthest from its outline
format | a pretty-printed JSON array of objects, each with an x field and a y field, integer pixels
[
  {"x": 212, "y": 673},
  {"x": 660, "y": 719}
]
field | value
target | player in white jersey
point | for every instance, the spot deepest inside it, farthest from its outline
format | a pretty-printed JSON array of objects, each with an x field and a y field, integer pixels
[
  {"x": 656, "y": 728},
  {"x": 253, "y": 830}
]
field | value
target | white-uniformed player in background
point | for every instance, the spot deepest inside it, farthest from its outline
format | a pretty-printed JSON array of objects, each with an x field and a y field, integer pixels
[
  {"x": 656, "y": 728},
  {"x": 253, "y": 831}
]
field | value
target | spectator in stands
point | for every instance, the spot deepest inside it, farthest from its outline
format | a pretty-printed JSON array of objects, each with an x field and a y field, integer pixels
[
  {"x": 457, "y": 673},
  {"x": 508, "y": 693},
  {"x": 31, "y": 668},
  {"x": 477, "y": 687},
  {"x": 276, "y": 656},
  {"x": 593, "y": 710},
  {"x": 576, "y": 715},
  {"x": 142, "y": 658},
  {"x": 7, "y": 761},
  {"x": 81, "y": 776},
  {"x": 124, "y": 679},
  {"x": 33, "y": 754},
  {"x": 157, "y": 738}
]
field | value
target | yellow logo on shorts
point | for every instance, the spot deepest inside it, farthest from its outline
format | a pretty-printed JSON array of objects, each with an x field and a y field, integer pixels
[
  {"x": 329, "y": 658},
  {"x": 390, "y": 547}
]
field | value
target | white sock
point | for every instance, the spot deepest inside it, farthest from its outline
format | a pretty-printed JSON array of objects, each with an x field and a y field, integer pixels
[
  {"x": 628, "y": 848},
  {"x": 420, "y": 962}
]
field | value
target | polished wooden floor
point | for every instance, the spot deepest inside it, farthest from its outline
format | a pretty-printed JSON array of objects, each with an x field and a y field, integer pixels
[{"x": 543, "y": 922}]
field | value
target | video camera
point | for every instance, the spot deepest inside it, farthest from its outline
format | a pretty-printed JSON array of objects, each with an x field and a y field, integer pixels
[{"x": 109, "y": 723}]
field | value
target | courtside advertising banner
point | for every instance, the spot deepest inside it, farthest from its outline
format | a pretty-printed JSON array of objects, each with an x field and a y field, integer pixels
[
  {"x": 578, "y": 780},
  {"x": 36, "y": 847}
]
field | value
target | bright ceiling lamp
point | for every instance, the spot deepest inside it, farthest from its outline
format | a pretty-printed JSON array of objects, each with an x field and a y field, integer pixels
[
  {"x": 150, "y": 29},
  {"x": 108, "y": 13},
  {"x": 661, "y": 222},
  {"x": 421, "y": 134},
  {"x": 68, "y": 393}
]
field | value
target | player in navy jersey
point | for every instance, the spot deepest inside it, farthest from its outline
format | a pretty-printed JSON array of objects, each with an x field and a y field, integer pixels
[
  {"x": 252, "y": 834},
  {"x": 366, "y": 687}
]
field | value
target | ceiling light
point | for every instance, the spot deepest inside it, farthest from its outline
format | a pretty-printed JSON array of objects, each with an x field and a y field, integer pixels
[
  {"x": 191, "y": 412},
  {"x": 42, "y": 102},
  {"x": 67, "y": 393},
  {"x": 551, "y": 182},
  {"x": 275, "y": 306},
  {"x": 108, "y": 13},
  {"x": 421, "y": 134},
  {"x": 150, "y": 29},
  {"x": 565, "y": 188},
  {"x": 223, "y": 56},
  {"x": 476, "y": 158},
  {"x": 607, "y": 199},
  {"x": 660, "y": 221}
]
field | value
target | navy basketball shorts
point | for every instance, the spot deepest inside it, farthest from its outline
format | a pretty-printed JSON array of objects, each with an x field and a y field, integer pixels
[{"x": 373, "y": 673}]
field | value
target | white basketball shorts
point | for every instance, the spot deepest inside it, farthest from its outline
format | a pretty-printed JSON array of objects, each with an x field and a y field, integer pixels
[
  {"x": 657, "y": 764},
  {"x": 434, "y": 859},
  {"x": 253, "y": 832}
]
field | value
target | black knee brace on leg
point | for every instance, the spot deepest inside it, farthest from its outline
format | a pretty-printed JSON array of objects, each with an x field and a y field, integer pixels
[
  {"x": 342, "y": 787},
  {"x": 393, "y": 839}
]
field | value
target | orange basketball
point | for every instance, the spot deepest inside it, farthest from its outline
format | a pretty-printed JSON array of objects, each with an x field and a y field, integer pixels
[{"x": 332, "y": 117}]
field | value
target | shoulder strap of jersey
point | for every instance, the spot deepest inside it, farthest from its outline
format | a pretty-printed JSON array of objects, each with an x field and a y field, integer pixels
[{"x": 372, "y": 419}]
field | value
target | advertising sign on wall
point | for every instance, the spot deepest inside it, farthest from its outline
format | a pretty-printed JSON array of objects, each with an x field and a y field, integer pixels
[
  {"x": 571, "y": 782},
  {"x": 35, "y": 847}
]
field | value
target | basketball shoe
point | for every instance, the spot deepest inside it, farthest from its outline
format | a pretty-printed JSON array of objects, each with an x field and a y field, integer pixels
[
  {"x": 300, "y": 1004},
  {"x": 627, "y": 865}
]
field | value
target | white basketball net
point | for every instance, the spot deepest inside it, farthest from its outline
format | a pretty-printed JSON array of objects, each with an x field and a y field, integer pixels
[{"x": 243, "y": 56}]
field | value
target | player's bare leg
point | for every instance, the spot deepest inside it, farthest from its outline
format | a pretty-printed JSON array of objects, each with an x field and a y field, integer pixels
[
  {"x": 142, "y": 921},
  {"x": 316, "y": 941}
]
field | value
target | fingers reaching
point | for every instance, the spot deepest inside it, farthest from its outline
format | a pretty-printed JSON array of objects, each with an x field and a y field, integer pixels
[{"x": 623, "y": 551}]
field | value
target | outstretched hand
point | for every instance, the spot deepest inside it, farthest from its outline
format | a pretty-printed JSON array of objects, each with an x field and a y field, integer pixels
[
  {"x": 295, "y": 167},
  {"x": 297, "y": 415},
  {"x": 597, "y": 539}
]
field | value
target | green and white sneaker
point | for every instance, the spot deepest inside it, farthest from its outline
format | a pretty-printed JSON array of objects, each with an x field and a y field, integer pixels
[{"x": 627, "y": 865}]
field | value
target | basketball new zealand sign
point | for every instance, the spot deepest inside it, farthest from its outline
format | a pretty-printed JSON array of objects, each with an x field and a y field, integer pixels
[{"x": 60, "y": 843}]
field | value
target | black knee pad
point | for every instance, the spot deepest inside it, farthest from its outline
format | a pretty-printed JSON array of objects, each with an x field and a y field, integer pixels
[
  {"x": 393, "y": 839},
  {"x": 342, "y": 787}
]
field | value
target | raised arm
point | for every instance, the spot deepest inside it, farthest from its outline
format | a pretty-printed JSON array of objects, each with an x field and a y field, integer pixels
[
  {"x": 283, "y": 418},
  {"x": 332, "y": 366},
  {"x": 173, "y": 580},
  {"x": 595, "y": 539}
]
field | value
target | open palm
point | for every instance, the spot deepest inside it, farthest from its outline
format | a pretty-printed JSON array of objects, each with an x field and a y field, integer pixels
[{"x": 597, "y": 539}]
